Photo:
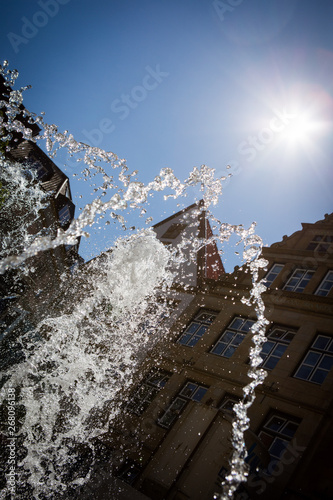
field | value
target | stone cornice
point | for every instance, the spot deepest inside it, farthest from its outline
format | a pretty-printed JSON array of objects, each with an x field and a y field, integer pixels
[{"x": 302, "y": 302}]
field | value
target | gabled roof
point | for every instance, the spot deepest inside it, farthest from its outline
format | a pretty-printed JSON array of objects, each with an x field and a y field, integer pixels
[
  {"x": 198, "y": 205},
  {"x": 192, "y": 222}
]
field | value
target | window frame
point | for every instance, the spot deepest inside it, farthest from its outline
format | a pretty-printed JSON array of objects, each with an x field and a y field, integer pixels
[
  {"x": 64, "y": 215},
  {"x": 320, "y": 243},
  {"x": 234, "y": 334},
  {"x": 277, "y": 343},
  {"x": 146, "y": 391},
  {"x": 202, "y": 326},
  {"x": 180, "y": 401},
  {"x": 228, "y": 402},
  {"x": 35, "y": 165},
  {"x": 315, "y": 369},
  {"x": 278, "y": 438},
  {"x": 297, "y": 287},
  {"x": 269, "y": 282},
  {"x": 322, "y": 283}
]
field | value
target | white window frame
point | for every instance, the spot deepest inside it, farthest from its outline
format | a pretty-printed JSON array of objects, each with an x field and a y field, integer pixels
[
  {"x": 278, "y": 430},
  {"x": 326, "y": 285},
  {"x": 278, "y": 339},
  {"x": 232, "y": 336},
  {"x": 190, "y": 392},
  {"x": 317, "y": 360},
  {"x": 273, "y": 274},
  {"x": 197, "y": 327},
  {"x": 299, "y": 286}
]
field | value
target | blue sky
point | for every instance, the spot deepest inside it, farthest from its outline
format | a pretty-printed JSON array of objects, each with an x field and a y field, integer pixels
[{"x": 245, "y": 83}]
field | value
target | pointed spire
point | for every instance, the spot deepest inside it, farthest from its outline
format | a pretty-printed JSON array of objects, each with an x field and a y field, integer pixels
[{"x": 191, "y": 223}]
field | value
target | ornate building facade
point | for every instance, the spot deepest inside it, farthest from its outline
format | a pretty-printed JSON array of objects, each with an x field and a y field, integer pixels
[{"x": 175, "y": 433}]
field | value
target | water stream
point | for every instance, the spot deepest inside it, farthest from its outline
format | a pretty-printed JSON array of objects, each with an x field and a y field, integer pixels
[{"x": 82, "y": 356}]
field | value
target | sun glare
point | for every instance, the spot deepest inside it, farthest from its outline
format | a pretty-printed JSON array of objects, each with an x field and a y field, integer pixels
[
  {"x": 302, "y": 130},
  {"x": 299, "y": 129}
]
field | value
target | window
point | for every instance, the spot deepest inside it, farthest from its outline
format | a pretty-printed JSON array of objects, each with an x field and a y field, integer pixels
[
  {"x": 320, "y": 243},
  {"x": 298, "y": 280},
  {"x": 278, "y": 340},
  {"x": 326, "y": 285},
  {"x": 277, "y": 432},
  {"x": 191, "y": 391},
  {"x": 195, "y": 330},
  {"x": 64, "y": 215},
  {"x": 232, "y": 337},
  {"x": 36, "y": 166},
  {"x": 129, "y": 472},
  {"x": 272, "y": 274},
  {"x": 318, "y": 361},
  {"x": 147, "y": 391},
  {"x": 228, "y": 403}
]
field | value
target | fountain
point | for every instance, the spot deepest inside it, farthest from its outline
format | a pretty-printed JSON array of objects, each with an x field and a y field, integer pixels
[{"x": 80, "y": 357}]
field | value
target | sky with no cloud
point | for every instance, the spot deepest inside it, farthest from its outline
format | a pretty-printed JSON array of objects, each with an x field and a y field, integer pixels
[{"x": 178, "y": 84}]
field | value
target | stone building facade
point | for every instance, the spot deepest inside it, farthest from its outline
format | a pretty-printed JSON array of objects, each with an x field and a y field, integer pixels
[{"x": 176, "y": 426}]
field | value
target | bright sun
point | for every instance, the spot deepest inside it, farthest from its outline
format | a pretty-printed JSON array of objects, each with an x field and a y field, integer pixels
[
  {"x": 299, "y": 129},
  {"x": 302, "y": 131}
]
